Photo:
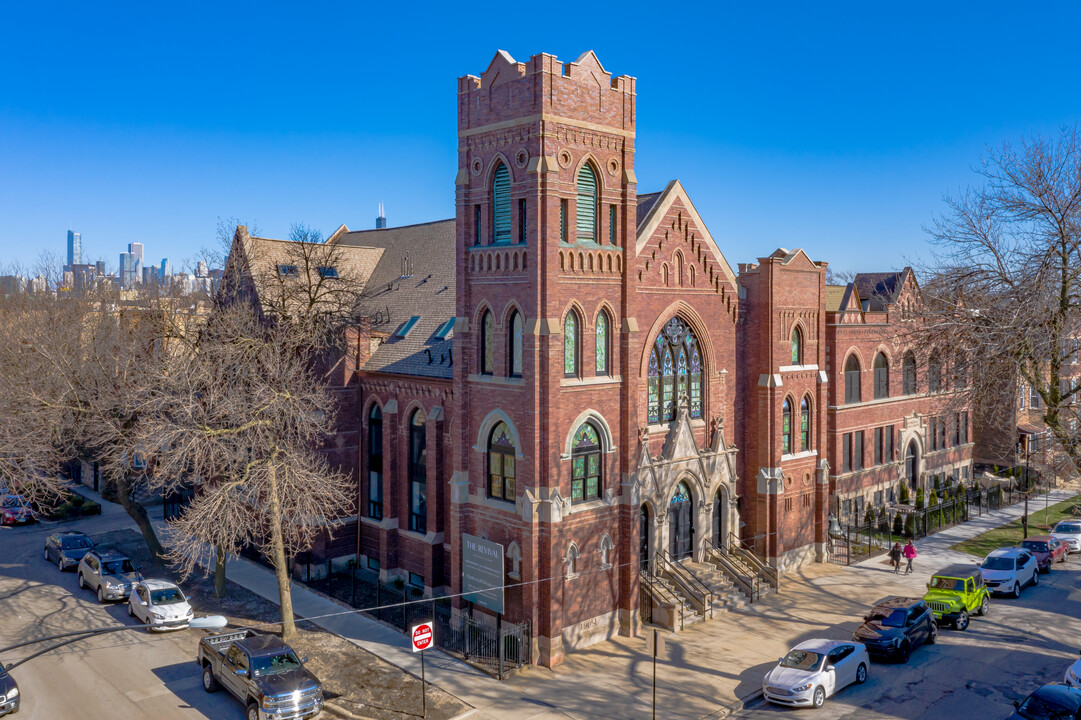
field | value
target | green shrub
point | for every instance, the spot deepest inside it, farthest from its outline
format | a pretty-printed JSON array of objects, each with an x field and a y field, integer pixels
[
  {"x": 883, "y": 521},
  {"x": 919, "y": 498},
  {"x": 898, "y": 524},
  {"x": 933, "y": 499},
  {"x": 904, "y": 493},
  {"x": 938, "y": 483},
  {"x": 910, "y": 525},
  {"x": 77, "y": 500},
  {"x": 869, "y": 517},
  {"x": 90, "y": 508}
]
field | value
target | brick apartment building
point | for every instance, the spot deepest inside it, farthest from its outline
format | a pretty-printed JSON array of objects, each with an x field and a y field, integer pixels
[{"x": 571, "y": 369}]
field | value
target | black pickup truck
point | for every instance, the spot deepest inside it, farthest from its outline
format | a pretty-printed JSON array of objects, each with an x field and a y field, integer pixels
[{"x": 262, "y": 672}]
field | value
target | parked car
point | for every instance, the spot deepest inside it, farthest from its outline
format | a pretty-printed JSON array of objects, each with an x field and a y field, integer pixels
[
  {"x": 66, "y": 549},
  {"x": 955, "y": 592},
  {"x": 262, "y": 672},
  {"x": 1069, "y": 531},
  {"x": 1047, "y": 550},
  {"x": 896, "y": 626},
  {"x": 109, "y": 573},
  {"x": 159, "y": 604},
  {"x": 14, "y": 510},
  {"x": 1073, "y": 675},
  {"x": 1053, "y": 701},
  {"x": 815, "y": 670},
  {"x": 1007, "y": 570},
  {"x": 9, "y": 693}
]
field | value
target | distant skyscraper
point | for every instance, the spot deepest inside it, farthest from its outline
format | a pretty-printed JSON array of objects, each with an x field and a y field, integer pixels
[
  {"x": 75, "y": 248},
  {"x": 127, "y": 269},
  {"x": 136, "y": 249},
  {"x": 200, "y": 269},
  {"x": 381, "y": 221},
  {"x": 166, "y": 270},
  {"x": 150, "y": 274}
]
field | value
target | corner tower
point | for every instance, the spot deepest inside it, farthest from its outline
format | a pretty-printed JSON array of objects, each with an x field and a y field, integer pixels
[{"x": 546, "y": 209}]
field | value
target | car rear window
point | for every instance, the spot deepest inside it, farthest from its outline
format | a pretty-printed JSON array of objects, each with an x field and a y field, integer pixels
[{"x": 1034, "y": 545}]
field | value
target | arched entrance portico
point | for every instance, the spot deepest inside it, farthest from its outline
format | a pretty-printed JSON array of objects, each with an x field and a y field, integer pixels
[
  {"x": 680, "y": 523},
  {"x": 912, "y": 464}
]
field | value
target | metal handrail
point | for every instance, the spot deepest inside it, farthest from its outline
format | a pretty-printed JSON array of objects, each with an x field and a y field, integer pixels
[
  {"x": 748, "y": 583},
  {"x": 658, "y": 588},
  {"x": 761, "y": 569},
  {"x": 685, "y": 577}
]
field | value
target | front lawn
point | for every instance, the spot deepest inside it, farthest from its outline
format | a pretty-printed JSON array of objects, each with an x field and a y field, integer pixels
[{"x": 1012, "y": 534}]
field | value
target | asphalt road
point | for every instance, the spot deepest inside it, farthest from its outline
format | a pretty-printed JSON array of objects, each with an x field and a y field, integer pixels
[
  {"x": 977, "y": 673},
  {"x": 130, "y": 675}
]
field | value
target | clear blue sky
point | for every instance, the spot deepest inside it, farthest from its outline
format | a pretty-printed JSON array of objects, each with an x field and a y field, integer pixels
[{"x": 832, "y": 127}]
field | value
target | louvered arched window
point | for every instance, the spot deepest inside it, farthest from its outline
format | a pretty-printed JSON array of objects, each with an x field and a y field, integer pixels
[
  {"x": 586, "y": 208},
  {"x": 501, "y": 205},
  {"x": 675, "y": 370}
]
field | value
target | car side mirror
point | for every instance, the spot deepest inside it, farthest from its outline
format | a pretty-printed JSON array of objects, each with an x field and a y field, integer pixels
[
  {"x": 928, "y": 586},
  {"x": 303, "y": 660},
  {"x": 1016, "y": 705}
]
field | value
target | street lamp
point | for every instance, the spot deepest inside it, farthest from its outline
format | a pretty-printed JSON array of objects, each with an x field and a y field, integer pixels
[
  {"x": 207, "y": 622},
  {"x": 1024, "y": 518}
]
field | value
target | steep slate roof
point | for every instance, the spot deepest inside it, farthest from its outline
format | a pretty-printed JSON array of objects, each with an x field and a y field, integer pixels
[
  {"x": 424, "y": 254},
  {"x": 880, "y": 289},
  {"x": 645, "y": 204}
]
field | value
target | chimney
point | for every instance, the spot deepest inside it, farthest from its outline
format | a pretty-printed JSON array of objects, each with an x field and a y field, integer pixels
[{"x": 381, "y": 221}]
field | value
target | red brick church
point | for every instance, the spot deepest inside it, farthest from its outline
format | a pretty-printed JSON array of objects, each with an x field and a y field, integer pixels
[{"x": 572, "y": 371}]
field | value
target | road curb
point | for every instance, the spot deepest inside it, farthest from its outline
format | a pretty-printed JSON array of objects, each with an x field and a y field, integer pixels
[{"x": 755, "y": 698}]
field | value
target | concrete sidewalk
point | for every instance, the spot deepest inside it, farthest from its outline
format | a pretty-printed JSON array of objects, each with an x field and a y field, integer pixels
[{"x": 710, "y": 670}]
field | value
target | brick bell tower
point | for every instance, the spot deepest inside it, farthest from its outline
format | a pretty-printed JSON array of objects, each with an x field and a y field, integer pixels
[{"x": 545, "y": 196}]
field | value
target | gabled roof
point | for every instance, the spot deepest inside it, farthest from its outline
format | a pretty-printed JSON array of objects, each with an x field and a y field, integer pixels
[
  {"x": 414, "y": 278},
  {"x": 646, "y": 202},
  {"x": 881, "y": 289},
  {"x": 834, "y": 296}
]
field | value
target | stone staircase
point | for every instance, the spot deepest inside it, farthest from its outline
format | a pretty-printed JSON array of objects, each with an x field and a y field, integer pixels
[
  {"x": 752, "y": 577},
  {"x": 663, "y": 603},
  {"x": 726, "y": 596}
]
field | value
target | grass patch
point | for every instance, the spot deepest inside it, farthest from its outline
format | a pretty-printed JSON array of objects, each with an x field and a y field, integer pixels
[{"x": 1011, "y": 535}]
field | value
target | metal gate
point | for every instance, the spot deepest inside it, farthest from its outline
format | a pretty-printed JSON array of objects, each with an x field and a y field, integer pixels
[{"x": 495, "y": 648}]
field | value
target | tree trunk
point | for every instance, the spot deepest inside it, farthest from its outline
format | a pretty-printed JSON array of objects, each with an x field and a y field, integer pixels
[
  {"x": 281, "y": 568},
  {"x": 138, "y": 513},
  {"x": 219, "y": 572}
]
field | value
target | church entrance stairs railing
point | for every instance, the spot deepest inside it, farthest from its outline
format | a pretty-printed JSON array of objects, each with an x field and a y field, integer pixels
[{"x": 686, "y": 584}]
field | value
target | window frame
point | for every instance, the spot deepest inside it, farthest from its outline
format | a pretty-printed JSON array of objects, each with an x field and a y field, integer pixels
[
  {"x": 881, "y": 377},
  {"x": 375, "y": 477},
  {"x": 603, "y": 362},
  {"x": 418, "y": 472},
  {"x": 594, "y": 451},
  {"x": 515, "y": 348},
  {"x": 909, "y": 376},
  {"x": 503, "y": 451},
  {"x": 805, "y": 433},
  {"x": 587, "y": 214},
  {"x": 487, "y": 343},
  {"x": 797, "y": 346},
  {"x": 852, "y": 372},
  {"x": 500, "y": 206},
  {"x": 786, "y": 426},
  {"x": 572, "y": 350}
]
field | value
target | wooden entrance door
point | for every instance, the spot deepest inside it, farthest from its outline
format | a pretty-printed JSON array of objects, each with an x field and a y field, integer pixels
[{"x": 680, "y": 524}]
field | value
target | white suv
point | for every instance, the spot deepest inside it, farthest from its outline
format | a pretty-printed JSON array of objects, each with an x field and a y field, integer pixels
[
  {"x": 1007, "y": 570},
  {"x": 1069, "y": 532},
  {"x": 109, "y": 573},
  {"x": 159, "y": 604}
]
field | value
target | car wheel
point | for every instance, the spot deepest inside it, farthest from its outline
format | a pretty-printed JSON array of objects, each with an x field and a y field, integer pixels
[
  {"x": 1016, "y": 590},
  {"x": 60, "y": 565},
  {"x": 82, "y": 582},
  {"x": 1048, "y": 568},
  {"x": 46, "y": 551},
  {"x": 861, "y": 674},
  {"x": 961, "y": 622},
  {"x": 906, "y": 652},
  {"x": 1036, "y": 577},
  {"x": 932, "y": 635},
  {"x": 253, "y": 710},
  {"x": 101, "y": 595},
  {"x": 210, "y": 683},
  {"x": 984, "y": 607},
  {"x": 817, "y": 700},
  {"x": 131, "y": 613}
]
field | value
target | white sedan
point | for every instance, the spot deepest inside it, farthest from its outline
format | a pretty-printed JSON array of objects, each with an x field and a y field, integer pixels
[
  {"x": 1073, "y": 675},
  {"x": 160, "y": 604},
  {"x": 815, "y": 670},
  {"x": 1069, "y": 532}
]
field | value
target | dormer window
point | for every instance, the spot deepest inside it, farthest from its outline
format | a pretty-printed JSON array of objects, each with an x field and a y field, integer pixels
[
  {"x": 444, "y": 330},
  {"x": 402, "y": 331},
  {"x": 288, "y": 270},
  {"x": 328, "y": 271}
]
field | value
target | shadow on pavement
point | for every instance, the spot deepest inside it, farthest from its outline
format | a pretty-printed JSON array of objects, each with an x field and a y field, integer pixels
[{"x": 184, "y": 681}]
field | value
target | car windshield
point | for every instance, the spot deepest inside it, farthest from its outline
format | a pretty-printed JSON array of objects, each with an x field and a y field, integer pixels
[
  {"x": 1035, "y": 545},
  {"x": 116, "y": 567},
  {"x": 941, "y": 583},
  {"x": 889, "y": 618},
  {"x": 75, "y": 543},
  {"x": 272, "y": 664},
  {"x": 166, "y": 596},
  {"x": 998, "y": 563},
  {"x": 1067, "y": 528},
  {"x": 1041, "y": 708}
]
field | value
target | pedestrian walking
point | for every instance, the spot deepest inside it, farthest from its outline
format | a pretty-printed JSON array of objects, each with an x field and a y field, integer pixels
[
  {"x": 895, "y": 557},
  {"x": 910, "y": 554}
]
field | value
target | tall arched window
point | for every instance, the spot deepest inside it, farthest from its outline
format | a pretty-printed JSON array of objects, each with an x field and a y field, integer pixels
[
  {"x": 805, "y": 424},
  {"x": 882, "y": 377},
  {"x": 516, "y": 344},
  {"x": 934, "y": 373},
  {"x": 570, "y": 345},
  {"x": 487, "y": 344},
  {"x": 586, "y": 464},
  {"x": 418, "y": 472},
  {"x": 586, "y": 209},
  {"x": 797, "y": 346},
  {"x": 602, "y": 343},
  {"x": 786, "y": 426},
  {"x": 852, "y": 380},
  {"x": 375, "y": 463},
  {"x": 501, "y": 205},
  {"x": 908, "y": 374},
  {"x": 675, "y": 369},
  {"x": 501, "y": 465}
]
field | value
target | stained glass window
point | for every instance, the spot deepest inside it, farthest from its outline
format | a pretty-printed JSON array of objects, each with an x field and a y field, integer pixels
[
  {"x": 805, "y": 424},
  {"x": 682, "y": 494},
  {"x": 586, "y": 464},
  {"x": 487, "y": 344},
  {"x": 501, "y": 465},
  {"x": 516, "y": 344},
  {"x": 602, "y": 344},
  {"x": 797, "y": 347},
  {"x": 675, "y": 371},
  {"x": 786, "y": 427},
  {"x": 570, "y": 345}
]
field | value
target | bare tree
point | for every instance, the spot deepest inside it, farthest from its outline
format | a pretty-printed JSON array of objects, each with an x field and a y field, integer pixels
[{"x": 1005, "y": 288}]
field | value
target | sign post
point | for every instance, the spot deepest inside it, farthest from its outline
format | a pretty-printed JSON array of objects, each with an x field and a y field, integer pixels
[
  {"x": 422, "y": 640},
  {"x": 655, "y": 646}
]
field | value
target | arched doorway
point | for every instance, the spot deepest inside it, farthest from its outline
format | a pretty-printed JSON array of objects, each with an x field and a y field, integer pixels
[
  {"x": 912, "y": 464},
  {"x": 719, "y": 528},
  {"x": 680, "y": 523},
  {"x": 643, "y": 531}
]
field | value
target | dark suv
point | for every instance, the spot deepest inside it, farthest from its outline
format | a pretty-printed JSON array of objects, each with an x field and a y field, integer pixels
[{"x": 895, "y": 626}]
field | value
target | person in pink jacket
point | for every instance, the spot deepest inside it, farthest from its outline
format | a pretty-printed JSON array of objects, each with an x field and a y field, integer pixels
[{"x": 909, "y": 552}]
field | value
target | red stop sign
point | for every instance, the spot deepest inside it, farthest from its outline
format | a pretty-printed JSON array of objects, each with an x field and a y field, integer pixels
[{"x": 422, "y": 637}]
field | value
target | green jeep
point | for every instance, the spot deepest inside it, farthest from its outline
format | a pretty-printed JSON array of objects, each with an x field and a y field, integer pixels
[{"x": 955, "y": 592}]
